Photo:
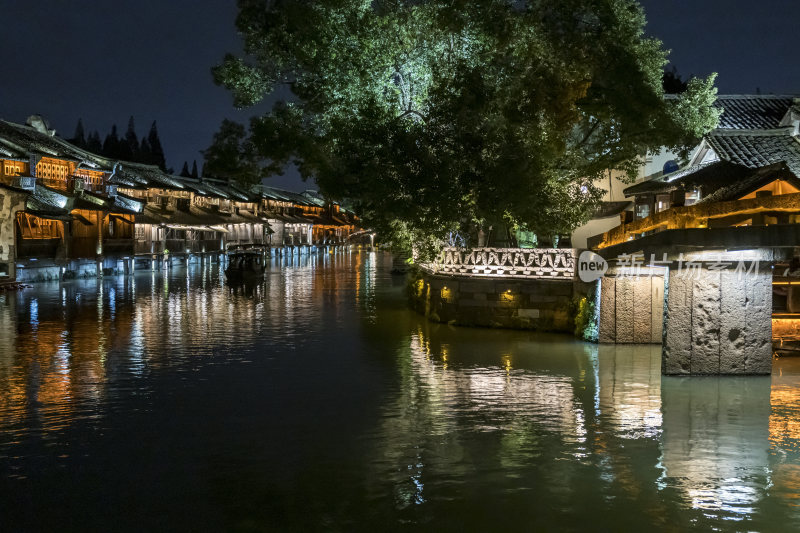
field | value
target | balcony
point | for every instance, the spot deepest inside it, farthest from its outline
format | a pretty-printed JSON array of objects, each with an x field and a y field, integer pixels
[
  {"x": 78, "y": 185},
  {"x": 759, "y": 211},
  {"x": 25, "y": 182}
]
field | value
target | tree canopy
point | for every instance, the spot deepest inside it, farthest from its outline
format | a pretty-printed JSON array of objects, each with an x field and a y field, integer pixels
[
  {"x": 436, "y": 116},
  {"x": 231, "y": 155}
]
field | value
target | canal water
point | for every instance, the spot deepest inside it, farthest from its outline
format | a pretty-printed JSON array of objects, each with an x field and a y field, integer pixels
[{"x": 315, "y": 400}]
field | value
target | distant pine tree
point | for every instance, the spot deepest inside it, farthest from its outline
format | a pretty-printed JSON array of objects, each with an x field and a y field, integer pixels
[
  {"x": 145, "y": 153},
  {"x": 111, "y": 144},
  {"x": 194, "y": 169},
  {"x": 79, "y": 139},
  {"x": 185, "y": 170},
  {"x": 156, "y": 148},
  {"x": 93, "y": 143},
  {"x": 132, "y": 147}
]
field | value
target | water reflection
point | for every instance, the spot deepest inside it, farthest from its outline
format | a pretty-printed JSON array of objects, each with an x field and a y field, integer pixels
[
  {"x": 715, "y": 442},
  {"x": 315, "y": 399},
  {"x": 784, "y": 440},
  {"x": 68, "y": 346}
]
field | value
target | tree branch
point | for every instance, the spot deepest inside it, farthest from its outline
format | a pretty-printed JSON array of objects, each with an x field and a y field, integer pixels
[{"x": 413, "y": 112}]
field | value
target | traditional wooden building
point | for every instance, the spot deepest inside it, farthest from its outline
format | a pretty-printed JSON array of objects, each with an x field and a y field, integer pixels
[
  {"x": 191, "y": 216},
  {"x": 753, "y": 154},
  {"x": 72, "y": 220},
  {"x": 754, "y": 131},
  {"x": 65, "y": 211},
  {"x": 332, "y": 223},
  {"x": 284, "y": 209}
]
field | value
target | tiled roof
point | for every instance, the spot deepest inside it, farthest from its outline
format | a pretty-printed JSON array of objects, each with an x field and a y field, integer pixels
[
  {"x": 756, "y": 178},
  {"x": 193, "y": 217},
  {"x": 17, "y": 140},
  {"x": 286, "y": 196},
  {"x": 202, "y": 187},
  {"x": 667, "y": 182},
  {"x": 141, "y": 175},
  {"x": 709, "y": 177},
  {"x": 607, "y": 209},
  {"x": 753, "y": 111},
  {"x": 719, "y": 181},
  {"x": 757, "y": 148}
]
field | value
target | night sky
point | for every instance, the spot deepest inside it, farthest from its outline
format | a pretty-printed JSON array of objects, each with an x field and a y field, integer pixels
[{"x": 105, "y": 61}]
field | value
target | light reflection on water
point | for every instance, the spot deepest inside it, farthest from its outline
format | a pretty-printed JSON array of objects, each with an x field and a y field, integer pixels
[{"x": 316, "y": 400}]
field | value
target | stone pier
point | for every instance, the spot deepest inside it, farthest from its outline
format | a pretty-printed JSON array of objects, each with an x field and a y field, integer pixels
[
  {"x": 713, "y": 319},
  {"x": 631, "y": 308},
  {"x": 718, "y": 322}
]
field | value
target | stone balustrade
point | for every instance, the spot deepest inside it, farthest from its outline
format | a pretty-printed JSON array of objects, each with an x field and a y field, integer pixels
[{"x": 506, "y": 263}]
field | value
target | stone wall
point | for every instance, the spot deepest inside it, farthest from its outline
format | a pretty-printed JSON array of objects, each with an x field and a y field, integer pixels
[
  {"x": 544, "y": 305},
  {"x": 11, "y": 202},
  {"x": 631, "y": 309},
  {"x": 718, "y": 322}
]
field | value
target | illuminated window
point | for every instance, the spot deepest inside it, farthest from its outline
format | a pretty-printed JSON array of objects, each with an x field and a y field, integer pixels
[
  {"x": 12, "y": 168},
  {"x": 54, "y": 172},
  {"x": 692, "y": 197},
  {"x": 662, "y": 202}
]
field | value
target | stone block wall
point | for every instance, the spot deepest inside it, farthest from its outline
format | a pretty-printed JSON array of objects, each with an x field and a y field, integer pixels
[
  {"x": 544, "y": 305},
  {"x": 631, "y": 309},
  {"x": 718, "y": 322}
]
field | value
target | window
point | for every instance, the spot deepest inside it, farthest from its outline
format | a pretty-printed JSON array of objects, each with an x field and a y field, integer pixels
[
  {"x": 692, "y": 197},
  {"x": 662, "y": 202},
  {"x": 642, "y": 211},
  {"x": 90, "y": 177},
  {"x": 12, "y": 168},
  {"x": 52, "y": 171}
]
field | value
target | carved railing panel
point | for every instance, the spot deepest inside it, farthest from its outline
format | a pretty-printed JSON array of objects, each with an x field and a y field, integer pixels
[{"x": 518, "y": 263}]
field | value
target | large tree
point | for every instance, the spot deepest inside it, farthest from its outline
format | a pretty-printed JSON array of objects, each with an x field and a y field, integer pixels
[
  {"x": 436, "y": 116},
  {"x": 231, "y": 155}
]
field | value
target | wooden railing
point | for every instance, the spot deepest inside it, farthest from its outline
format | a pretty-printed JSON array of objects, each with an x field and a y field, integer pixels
[{"x": 698, "y": 216}]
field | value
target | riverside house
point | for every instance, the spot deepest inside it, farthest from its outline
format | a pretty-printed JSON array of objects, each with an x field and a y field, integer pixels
[
  {"x": 60, "y": 213},
  {"x": 68, "y": 212}
]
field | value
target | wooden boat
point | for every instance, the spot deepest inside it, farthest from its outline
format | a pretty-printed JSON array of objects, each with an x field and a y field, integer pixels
[{"x": 245, "y": 264}]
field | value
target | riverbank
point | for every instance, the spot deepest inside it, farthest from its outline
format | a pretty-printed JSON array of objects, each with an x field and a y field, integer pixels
[{"x": 530, "y": 304}]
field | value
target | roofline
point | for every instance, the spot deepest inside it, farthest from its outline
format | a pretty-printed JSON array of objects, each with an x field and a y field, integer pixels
[
  {"x": 761, "y": 96},
  {"x": 783, "y": 131}
]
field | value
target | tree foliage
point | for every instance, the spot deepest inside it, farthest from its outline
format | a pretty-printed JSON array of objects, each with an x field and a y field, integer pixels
[
  {"x": 231, "y": 155},
  {"x": 673, "y": 82},
  {"x": 436, "y": 116},
  {"x": 129, "y": 148}
]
